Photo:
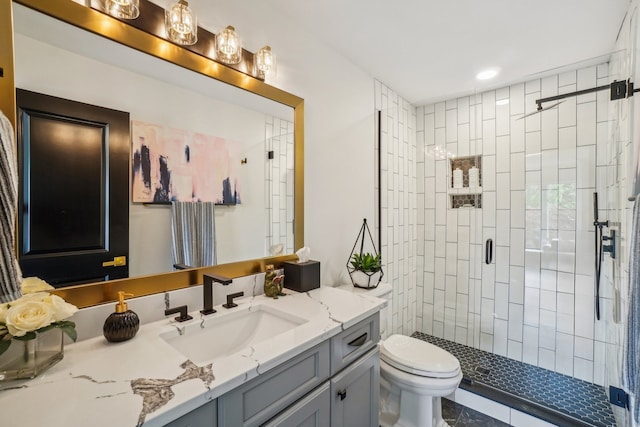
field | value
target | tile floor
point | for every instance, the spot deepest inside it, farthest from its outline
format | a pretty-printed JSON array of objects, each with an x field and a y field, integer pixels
[
  {"x": 558, "y": 398},
  {"x": 457, "y": 415}
]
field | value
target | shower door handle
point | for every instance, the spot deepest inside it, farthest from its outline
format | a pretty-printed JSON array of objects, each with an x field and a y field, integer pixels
[{"x": 488, "y": 251}]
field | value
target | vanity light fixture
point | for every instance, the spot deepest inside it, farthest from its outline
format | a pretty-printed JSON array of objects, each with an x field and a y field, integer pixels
[
  {"x": 123, "y": 9},
  {"x": 264, "y": 62},
  {"x": 228, "y": 46},
  {"x": 181, "y": 24}
]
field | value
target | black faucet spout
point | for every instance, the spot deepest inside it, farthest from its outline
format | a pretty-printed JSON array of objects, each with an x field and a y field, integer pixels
[
  {"x": 207, "y": 295},
  {"x": 224, "y": 281},
  {"x": 207, "y": 291}
]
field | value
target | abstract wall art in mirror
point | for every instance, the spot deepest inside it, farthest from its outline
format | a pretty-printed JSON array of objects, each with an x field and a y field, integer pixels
[{"x": 170, "y": 164}]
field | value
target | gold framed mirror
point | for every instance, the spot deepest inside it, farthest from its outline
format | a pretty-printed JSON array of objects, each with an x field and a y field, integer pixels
[{"x": 105, "y": 26}]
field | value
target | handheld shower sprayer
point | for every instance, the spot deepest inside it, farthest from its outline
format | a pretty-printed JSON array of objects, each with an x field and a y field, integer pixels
[{"x": 601, "y": 248}]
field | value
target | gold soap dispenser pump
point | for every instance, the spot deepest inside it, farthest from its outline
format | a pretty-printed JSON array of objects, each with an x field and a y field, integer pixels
[{"x": 123, "y": 324}]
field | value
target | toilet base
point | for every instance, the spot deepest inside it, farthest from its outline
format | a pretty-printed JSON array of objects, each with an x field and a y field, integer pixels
[{"x": 400, "y": 408}]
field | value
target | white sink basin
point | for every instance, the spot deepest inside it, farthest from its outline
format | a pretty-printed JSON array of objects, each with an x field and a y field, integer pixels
[{"x": 226, "y": 333}]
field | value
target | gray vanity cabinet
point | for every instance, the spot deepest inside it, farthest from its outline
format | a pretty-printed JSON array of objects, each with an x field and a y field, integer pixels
[
  {"x": 312, "y": 410},
  {"x": 355, "y": 374},
  {"x": 204, "y": 416},
  {"x": 354, "y": 393},
  {"x": 259, "y": 400},
  {"x": 334, "y": 384},
  {"x": 352, "y": 343}
]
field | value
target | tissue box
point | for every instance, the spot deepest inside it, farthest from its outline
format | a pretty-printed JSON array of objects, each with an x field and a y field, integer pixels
[{"x": 302, "y": 276}]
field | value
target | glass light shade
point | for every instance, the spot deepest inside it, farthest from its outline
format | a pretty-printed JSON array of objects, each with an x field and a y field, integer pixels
[
  {"x": 181, "y": 24},
  {"x": 123, "y": 9},
  {"x": 264, "y": 62},
  {"x": 228, "y": 46}
]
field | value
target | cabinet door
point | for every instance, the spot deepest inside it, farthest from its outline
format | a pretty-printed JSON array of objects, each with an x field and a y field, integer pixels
[
  {"x": 355, "y": 391},
  {"x": 264, "y": 397},
  {"x": 204, "y": 416},
  {"x": 311, "y": 411}
]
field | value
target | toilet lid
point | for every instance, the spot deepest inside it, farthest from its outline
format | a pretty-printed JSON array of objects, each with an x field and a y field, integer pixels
[{"x": 418, "y": 357}]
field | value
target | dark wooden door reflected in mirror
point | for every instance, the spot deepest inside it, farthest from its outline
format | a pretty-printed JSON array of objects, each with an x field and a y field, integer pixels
[{"x": 74, "y": 190}]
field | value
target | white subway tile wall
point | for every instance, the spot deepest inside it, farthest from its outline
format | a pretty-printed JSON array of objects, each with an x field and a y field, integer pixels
[
  {"x": 538, "y": 175},
  {"x": 402, "y": 223},
  {"x": 279, "y": 191},
  {"x": 535, "y": 301}
]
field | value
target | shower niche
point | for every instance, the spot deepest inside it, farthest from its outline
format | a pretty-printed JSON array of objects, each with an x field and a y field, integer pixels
[{"x": 465, "y": 182}]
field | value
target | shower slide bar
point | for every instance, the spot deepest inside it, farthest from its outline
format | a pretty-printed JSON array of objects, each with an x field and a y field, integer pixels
[{"x": 601, "y": 248}]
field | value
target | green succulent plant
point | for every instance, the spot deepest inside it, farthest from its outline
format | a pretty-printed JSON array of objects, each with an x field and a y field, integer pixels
[{"x": 366, "y": 262}]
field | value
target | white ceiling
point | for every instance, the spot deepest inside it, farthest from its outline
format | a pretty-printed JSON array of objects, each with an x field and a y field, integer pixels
[{"x": 430, "y": 50}]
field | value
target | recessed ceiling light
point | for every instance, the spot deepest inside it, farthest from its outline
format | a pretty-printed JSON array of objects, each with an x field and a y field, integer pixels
[
  {"x": 487, "y": 74},
  {"x": 502, "y": 101}
]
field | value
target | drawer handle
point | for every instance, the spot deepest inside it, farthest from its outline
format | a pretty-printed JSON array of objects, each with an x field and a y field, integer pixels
[
  {"x": 342, "y": 394},
  {"x": 359, "y": 341}
]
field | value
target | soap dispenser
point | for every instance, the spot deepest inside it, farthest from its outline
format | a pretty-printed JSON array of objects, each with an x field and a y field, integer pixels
[{"x": 123, "y": 324}]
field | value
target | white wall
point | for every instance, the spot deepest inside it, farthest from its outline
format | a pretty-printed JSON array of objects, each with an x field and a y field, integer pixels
[{"x": 339, "y": 128}]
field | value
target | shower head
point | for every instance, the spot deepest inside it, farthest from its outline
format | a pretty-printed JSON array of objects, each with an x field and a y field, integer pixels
[{"x": 540, "y": 109}]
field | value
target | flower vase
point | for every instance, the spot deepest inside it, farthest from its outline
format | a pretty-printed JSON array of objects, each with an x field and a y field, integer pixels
[{"x": 27, "y": 359}]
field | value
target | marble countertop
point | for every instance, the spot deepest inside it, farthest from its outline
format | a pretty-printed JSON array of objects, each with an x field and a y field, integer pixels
[{"x": 146, "y": 381}]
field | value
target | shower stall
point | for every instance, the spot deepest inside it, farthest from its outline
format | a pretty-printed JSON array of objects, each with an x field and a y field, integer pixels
[{"x": 493, "y": 247}]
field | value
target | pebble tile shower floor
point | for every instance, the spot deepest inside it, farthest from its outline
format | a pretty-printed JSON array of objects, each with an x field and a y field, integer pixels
[{"x": 554, "y": 397}]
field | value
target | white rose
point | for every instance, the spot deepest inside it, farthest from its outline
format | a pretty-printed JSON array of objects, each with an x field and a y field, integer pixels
[
  {"x": 30, "y": 285},
  {"x": 27, "y": 316},
  {"x": 35, "y": 296},
  {"x": 61, "y": 308}
]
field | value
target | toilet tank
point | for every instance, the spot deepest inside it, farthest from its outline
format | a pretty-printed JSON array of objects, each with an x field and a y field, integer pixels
[{"x": 383, "y": 291}]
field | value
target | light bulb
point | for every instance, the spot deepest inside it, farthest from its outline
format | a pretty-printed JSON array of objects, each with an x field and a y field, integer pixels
[{"x": 181, "y": 24}]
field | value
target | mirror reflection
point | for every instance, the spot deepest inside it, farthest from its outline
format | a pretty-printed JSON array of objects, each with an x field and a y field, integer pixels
[{"x": 87, "y": 68}]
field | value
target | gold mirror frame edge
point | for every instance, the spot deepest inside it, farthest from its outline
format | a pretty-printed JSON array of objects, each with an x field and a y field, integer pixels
[{"x": 104, "y": 25}]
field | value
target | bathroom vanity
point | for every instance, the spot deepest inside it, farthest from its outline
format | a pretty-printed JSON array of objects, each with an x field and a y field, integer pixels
[{"x": 315, "y": 361}]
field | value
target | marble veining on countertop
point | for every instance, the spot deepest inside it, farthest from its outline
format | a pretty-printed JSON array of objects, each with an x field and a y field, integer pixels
[{"x": 147, "y": 382}]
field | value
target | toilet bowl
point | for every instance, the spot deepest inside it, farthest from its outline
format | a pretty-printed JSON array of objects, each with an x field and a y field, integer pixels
[{"x": 414, "y": 375}]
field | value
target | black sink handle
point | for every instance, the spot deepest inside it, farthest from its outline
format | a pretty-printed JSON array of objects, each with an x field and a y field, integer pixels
[
  {"x": 230, "y": 297},
  {"x": 182, "y": 310}
]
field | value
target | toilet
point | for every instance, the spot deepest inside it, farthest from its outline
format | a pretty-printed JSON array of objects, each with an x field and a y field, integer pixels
[{"x": 414, "y": 375}]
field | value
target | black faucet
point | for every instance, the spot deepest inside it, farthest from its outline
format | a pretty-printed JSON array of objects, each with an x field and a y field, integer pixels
[
  {"x": 230, "y": 297},
  {"x": 182, "y": 310},
  {"x": 207, "y": 291}
]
